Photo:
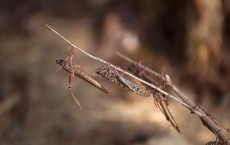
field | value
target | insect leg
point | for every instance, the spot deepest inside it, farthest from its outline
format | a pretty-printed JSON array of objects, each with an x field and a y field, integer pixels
[
  {"x": 70, "y": 55},
  {"x": 67, "y": 59},
  {"x": 71, "y": 92},
  {"x": 59, "y": 67}
]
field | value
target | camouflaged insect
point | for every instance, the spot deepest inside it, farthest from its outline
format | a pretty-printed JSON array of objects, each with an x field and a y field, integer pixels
[
  {"x": 159, "y": 99},
  {"x": 79, "y": 73},
  {"x": 114, "y": 77}
]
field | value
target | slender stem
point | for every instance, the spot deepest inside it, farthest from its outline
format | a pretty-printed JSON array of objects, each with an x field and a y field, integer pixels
[
  {"x": 208, "y": 121},
  {"x": 141, "y": 66},
  {"x": 175, "y": 88},
  {"x": 186, "y": 102},
  {"x": 121, "y": 70}
]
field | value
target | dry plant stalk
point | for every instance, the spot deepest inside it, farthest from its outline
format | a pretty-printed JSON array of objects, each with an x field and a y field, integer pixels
[
  {"x": 184, "y": 100},
  {"x": 119, "y": 69},
  {"x": 210, "y": 122}
]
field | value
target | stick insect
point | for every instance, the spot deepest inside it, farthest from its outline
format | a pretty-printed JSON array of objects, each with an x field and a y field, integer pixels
[
  {"x": 159, "y": 99},
  {"x": 114, "y": 77},
  {"x": 75, "y": 70}
]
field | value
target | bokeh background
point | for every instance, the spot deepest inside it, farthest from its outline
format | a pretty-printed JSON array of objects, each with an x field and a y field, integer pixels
[{"x": 189, "y": 38}]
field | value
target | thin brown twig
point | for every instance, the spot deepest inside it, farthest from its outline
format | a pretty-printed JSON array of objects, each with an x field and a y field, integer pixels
[
  {"x": 121, "y": 70},
  {"x": 175, "y": 88},
  {"x": 208, "y": 121},
  {"x": 189, "y": 104},
  {"x": 168, "y": 80},
  {"x": 141, "y": 66}
]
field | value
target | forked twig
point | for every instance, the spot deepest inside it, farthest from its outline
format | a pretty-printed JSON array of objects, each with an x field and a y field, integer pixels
[
  {"x": 121, "y": 70},
  {"x": 184, "y": 100},
  {"x": 167, "y": 79},
  {"x": 209, "y": 121}
]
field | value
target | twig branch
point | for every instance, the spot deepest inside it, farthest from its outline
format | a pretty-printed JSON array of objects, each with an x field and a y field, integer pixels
[
  {"x": 121, "y": 70},
  {"x": 175, "y": 88},
  {"x": 185, "y": 101},
  {"x": 140, "y": 65},
  {"x": 202, "y": 114}
]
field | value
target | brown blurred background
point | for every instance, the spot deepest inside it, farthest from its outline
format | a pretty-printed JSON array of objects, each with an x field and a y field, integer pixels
[{"x": 189, "y": 38}]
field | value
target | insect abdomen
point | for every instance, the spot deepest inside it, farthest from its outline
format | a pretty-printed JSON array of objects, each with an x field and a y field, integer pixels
[
  {"x": 90, "y": 80},
  {"x": 113, "y": 77}
]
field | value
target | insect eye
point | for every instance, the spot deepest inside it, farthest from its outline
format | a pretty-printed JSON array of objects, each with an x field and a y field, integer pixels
[
  {"x": 58, "y": 61},
  {"x": 98, "y": 70}
]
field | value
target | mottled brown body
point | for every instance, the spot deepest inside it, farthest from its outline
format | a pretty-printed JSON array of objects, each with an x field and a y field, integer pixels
[
  {"x": 79, "y": 73},
  {"x": 121, "y": 81},
  {"x": 160, "y": 100}
]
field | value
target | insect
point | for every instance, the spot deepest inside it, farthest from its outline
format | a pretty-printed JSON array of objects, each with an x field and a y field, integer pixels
[
  {"x": 159, "y": 99},
  {"x": 114, "y": 77},
  {"x": 75, "y": 70}
]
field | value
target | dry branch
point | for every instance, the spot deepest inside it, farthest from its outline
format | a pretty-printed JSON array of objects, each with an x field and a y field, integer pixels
[
  {"x": 206, "y": 120},
  {"x": 119, "y": 69},
  {"x": 184, "y": 100}
]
